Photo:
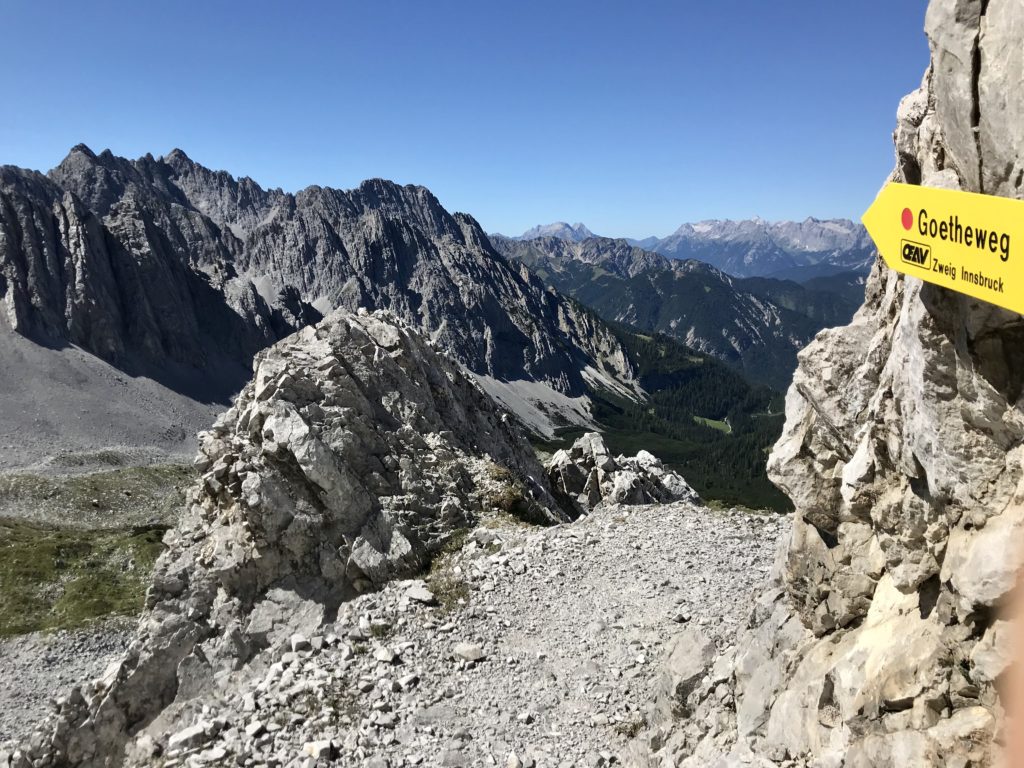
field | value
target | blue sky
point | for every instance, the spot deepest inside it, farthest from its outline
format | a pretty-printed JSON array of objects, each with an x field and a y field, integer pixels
[{"x": 629, "y": 116}]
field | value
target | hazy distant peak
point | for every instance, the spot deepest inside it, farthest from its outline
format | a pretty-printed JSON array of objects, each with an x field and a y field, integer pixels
[
  {"x": 757, "y": 247},
  {"x": 575, "y": 233}
]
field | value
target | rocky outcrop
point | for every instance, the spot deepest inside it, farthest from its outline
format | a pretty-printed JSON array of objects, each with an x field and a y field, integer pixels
[
  {"x": 351, "y": 457},
  {"x": 883, "y": 643},
  {"x": 586, "y": 475}
]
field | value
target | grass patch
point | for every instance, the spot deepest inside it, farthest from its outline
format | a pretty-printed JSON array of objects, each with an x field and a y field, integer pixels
[
  {"x": 510, "y": 498},
  {"x": 61, "y": 578},
  {"x": 720, "y": 425},
  {"x": 448, "y": 587},
  {"x": 127, "y": 494},
  {"x": 498, "y": 521}
]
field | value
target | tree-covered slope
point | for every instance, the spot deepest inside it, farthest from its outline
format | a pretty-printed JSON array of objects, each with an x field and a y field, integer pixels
[
  {"x": 756, "y": 325},
  {"x": 701, "y": 417}
]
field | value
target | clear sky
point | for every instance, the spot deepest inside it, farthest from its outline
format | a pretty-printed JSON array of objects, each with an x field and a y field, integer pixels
[{"x": 632, "y": 117}]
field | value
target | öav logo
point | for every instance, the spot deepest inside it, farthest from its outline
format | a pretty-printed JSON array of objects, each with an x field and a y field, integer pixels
[{"x": 917, "y": 254}]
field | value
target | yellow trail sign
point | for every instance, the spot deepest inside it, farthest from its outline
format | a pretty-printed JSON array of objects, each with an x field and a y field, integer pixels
[{"x": 959, "y": 240}]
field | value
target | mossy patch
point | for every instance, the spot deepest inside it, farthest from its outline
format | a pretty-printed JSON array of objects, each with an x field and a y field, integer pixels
[
  {"x": 448, "y": 587},
  {"x": 509, "y": 497},
  {"x": 630, "y": 729},
  {"x": 61, "y": 578},
  {"x": 123, "y": 496}
]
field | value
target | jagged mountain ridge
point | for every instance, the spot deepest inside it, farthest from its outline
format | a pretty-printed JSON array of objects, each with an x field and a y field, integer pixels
[
  {"x": 161, "y": 262},
  {"x": 269, "y": 262},
  {"x": 797, "y": 250},
  {"x": 788, "y": 250},
  {"x": 757, "y": 325}
]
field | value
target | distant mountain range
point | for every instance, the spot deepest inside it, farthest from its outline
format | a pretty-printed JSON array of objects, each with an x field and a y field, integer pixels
[
  {"x": 754, "y": 247},
  {"x": 574, "y": 233},
  {"x": 756, "y": 324}
]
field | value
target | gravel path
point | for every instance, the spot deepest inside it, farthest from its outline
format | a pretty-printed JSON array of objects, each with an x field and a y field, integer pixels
[
  {"x": 549, "y": 661},
  {"x": 38, "y": 667}
]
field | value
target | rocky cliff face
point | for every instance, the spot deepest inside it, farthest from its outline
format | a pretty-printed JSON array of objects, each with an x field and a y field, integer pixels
[
  {"x": 160, "y": 262},
  {"x": 130, "y": 284},
  {"x": 885, "y": 641},
  {"x": 351, "y": 458}
]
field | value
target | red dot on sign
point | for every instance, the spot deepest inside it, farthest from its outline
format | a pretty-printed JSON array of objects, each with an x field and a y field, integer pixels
[{"x": 908, "y": 218}]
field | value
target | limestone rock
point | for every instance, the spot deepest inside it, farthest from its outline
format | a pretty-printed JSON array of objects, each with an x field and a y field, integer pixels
[
  {"x": 421, "y": 594},
  {"x": 586, "y": 475},
  {"x": 469, "y": 651},
  {"x": 350, "y": 459},
  {"x": 902, "y": 455},
  {"x": 190, "y": 737},
  {"x": 690, "y": 655}
]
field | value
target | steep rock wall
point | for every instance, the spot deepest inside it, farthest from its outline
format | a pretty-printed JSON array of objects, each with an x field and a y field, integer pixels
[{"x": 886, "y": 639}]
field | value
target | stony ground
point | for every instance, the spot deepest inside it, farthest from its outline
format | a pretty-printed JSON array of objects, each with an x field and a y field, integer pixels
[
  {"x": 37, "y": 667},
  {"x": 525, "y": 647}
]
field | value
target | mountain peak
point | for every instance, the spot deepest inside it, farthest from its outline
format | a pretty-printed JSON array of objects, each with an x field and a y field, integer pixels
[
  {"x": 82, "y": 149},
  {"x": 572, "y": 232},
  {"x": 177, "y": 155}
]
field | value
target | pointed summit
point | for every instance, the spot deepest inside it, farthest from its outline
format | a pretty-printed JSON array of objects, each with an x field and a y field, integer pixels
[
  {"x": 177, "y": 157},
  {"x": 83, "y": 150}
]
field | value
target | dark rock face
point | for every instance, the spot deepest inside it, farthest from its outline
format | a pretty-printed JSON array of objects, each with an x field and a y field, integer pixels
[
  {"x": 147, "y": 288},
  {"x": 157, "y": 262}
]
